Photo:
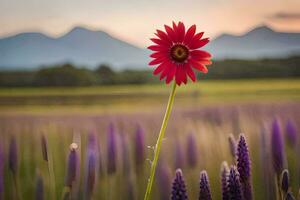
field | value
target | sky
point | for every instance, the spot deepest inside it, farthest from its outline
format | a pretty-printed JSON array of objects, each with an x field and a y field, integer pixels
[{"x": 136, "y": 20}]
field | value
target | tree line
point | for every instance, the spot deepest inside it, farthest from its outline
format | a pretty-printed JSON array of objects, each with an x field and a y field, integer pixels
[{"x": 71, "y": 75}]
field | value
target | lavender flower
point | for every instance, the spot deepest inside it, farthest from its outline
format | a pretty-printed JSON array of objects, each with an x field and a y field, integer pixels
[
  {"x": 234, "y": 184},
  {"x": 39, "y": 190},
  {"x": 139, "y": 146},
  {"x": 285, "y": 181},
  {"x": 224, "y": 181},
  {"x": 163, "y": 182},
  {"x": 243, "y": 166},
  {"x": 111, "y": 150},
  {"x": 291, "y": 132},
  {"x": 13, "y": 155},
  {"x": 178, "y": 187},
  {"x": 179, "y": 158},
  {"x": 232, "y": 145},
  {"x": 191, "y": 150},
  {"x": 71, "y": 166},
  {"x": 44, "y": 147},
  {"x": 91, "y": 175},
  {"x": 277, "y": 148},
  {"x": 204, "y": 187}
]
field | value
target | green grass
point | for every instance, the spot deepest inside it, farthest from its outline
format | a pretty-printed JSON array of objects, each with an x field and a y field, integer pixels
[{"x": 133, "y": 97}]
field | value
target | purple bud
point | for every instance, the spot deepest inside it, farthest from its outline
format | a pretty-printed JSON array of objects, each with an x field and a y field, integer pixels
[
  {"x": 291, "y": 132},
  {"x": 1, "y": 172},
  {"x": 179, "y": 160},
  {"x": 204, "y": 187},
  {"x": 39, "y": 190},
  {"x": 289, "y": 196},
  {"x": 234, "y": 184},
  {"x": 232, "y": 145},
  {"x": 285, "y": 181},
  {"x": 191, "y": 150},
  {"x": 44, "y": 147},
  {"x": 243, "y": 166},
  {"x": 277, "y": 148},
  {"x": 91, "y": 175},
  {"x": 111, "y": 150},
  {"x": 178, "y": 187},
  {"x": 163, "y": 182},
  {"x": 71, "y": 166},
  {"x": 13, "y": 155},
  {"x": 139, "y": 146},
  {"x": 224, "y": 181}
]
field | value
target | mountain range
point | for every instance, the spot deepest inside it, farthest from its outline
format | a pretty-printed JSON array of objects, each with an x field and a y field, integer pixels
[{"x": 84, "y": 47}]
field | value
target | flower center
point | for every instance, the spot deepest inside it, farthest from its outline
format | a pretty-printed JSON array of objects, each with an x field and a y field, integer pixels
[{"x": 179, "y": 53}]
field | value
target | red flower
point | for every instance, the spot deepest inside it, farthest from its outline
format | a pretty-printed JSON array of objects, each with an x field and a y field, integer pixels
[{"x": 176, "y": 53}]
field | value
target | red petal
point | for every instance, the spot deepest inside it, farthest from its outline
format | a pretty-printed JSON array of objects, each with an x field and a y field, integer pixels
[
  {"x": 205, "y": 62},
  {"x": 199, "y": 54},
  {"x": 198, "y": 43},
  {"x": 184, "y": 78},
  {"x": 171, "y": 74},
  {"x": 190, "y": 72},
  {"x": 196, "y": 37},
  {"x": 170, "y": 33},
  {"x": 159, "y": 42},
  {"x": 157, "y": 61},
  {"x": 178, "y": 75},
  {"x": 165, "y": 72},
  {"x": 158, "y": 55},
  {"x": 159, "y": 68},
  {"x": 158, "y": 48},
  {"x": 190, "y": 34},
  {"x": 199, "y": 66},
  {"x": 180, "y": 32},
  {"x": 163, "y": 36}
]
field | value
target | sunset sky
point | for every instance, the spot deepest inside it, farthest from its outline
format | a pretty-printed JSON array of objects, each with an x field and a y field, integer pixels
[{"x": 135, "y": 20}]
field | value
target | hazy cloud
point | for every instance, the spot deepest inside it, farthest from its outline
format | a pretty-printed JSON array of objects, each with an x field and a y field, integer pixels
[{"x": 285, "y": 15}]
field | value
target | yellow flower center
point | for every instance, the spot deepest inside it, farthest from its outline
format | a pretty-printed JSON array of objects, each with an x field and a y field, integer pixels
[{"x": 179, "y": 53}]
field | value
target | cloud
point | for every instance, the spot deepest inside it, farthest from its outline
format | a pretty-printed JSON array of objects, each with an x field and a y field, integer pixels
[{"x": 285, "y": 16}]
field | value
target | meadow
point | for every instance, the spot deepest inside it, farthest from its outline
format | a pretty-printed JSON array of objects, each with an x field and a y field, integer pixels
[{"x": 115, "y": 128}]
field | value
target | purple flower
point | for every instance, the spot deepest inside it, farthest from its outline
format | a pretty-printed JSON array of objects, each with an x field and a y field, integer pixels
[
  {"x": 243, "y": 166},
  {"x": 44, "y": 147},
  {"x": 71, "y": 166},
  {"x": 204, "y": 187},
  {"x": 178, "y": 187},
  {"x": 13, "y": 155},
  {"x": 277, "y": 148},
  {"x": 125, "y": 155},
  {"x": 91, "y": 175},
  {"x": 224, "y": 181},
  {"x": 234, "y": 184},
  {"x": 291, "y": 132},
  {"x": 191, "y": 150},
  {"x": 39, "y": 190},
  {"x": 179, "y": 160},
  {"x": 163, "y": 182},
  {"x": 285, "y": 181},
  {"x": 232, "y": 145},
  {"x": 111, "y": 150},
  {"x": 139, "y": 146}
]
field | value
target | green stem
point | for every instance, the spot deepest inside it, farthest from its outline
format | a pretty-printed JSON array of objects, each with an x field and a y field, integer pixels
[{"x": 159, "y": 141}]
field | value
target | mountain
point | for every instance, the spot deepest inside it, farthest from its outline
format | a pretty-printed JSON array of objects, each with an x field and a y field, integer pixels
[
  {"x": 89, "y": 48},
  {"x": 79, "y": 46},
  {"x": 261, "y": 42}
]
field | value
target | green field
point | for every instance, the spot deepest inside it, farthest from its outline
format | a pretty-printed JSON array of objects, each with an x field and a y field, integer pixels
[{"x": 134, "y": 97}]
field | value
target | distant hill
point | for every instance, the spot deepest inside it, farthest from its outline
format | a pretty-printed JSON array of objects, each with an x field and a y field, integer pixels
[{"x": 89, "y": 48}]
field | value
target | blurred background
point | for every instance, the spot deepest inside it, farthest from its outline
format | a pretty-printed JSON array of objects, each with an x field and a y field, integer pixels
[{"x": 72, "y": 70}]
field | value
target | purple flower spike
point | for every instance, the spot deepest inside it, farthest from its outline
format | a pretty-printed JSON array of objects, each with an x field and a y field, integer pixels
[
  {"x": 179, "y": 160},
  {"x": 244, "y": 168},
  {"x": 191, "y": 150},
  {"x": 204, "y": 187},
  {"x": 13, "y": 155},
  {"x": 232, "y": 145},
  {"x": 39, "y": 190},
  {"x": 277, "y": 148},
  {"x": 71, "y": 166},
  {"x": 111, "y": 150},
  {"x": 178, "y": 187},
  {"x": 44, "y": 147},
  {"x": 285, "y": 181},
  {"x": 91, "y": 175},
  {"x": 139, "y": 146},
  {"x": 224, "y": 181},
  {"x": 234, "y": 184},
  {"x": 291, "y": 132}
]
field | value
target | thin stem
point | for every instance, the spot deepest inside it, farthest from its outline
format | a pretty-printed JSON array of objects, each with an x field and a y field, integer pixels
[{"x": 159, "y": 141}]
